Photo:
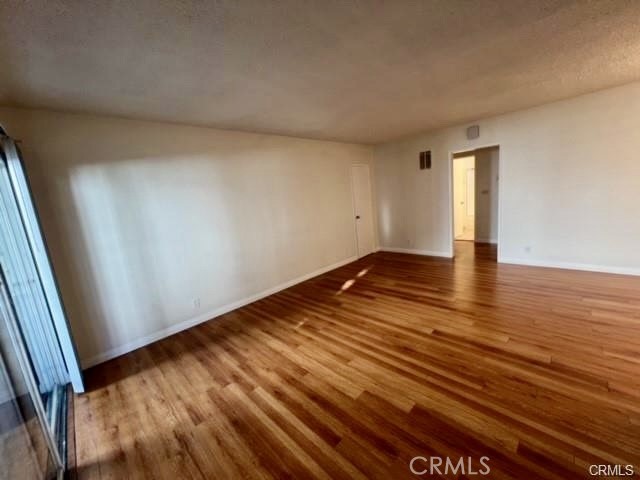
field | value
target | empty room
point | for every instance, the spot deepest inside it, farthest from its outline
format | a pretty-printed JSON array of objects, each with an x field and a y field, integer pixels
[{"x": 261, "y": 239}]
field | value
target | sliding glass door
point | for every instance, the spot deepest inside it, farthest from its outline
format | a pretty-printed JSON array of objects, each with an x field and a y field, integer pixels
[
  {"x": 39, "y": 360},
  {"x": 28, "y": 447}
]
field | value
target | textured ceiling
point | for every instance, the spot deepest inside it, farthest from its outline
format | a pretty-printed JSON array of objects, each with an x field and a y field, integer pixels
[{"x": 362, "y": 71}]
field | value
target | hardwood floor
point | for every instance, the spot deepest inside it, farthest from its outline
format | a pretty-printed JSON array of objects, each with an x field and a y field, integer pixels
[{"x": 355, "y": 372}]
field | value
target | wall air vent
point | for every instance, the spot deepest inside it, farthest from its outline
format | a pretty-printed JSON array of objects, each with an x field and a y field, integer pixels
[
  {"x": 473, "y": 132},
  {"x": 425, "y": 160}
]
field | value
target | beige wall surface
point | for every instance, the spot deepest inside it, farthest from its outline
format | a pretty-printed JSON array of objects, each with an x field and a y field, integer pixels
[
  {"x": 569, "y": 184},
  {"x": 154, "y": 227}
]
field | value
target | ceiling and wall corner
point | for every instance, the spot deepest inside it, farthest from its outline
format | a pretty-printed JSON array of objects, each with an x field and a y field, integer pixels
[{"x": 365, "y": 72}]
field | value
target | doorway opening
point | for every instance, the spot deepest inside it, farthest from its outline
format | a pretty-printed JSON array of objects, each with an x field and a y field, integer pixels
[
  {"x": 464, "y": 192},
  {"x": 475, "y": 196}
]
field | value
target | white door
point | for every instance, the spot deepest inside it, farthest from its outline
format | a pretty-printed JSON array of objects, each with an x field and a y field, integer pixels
[
  {"x": 464, "y": 197},
  {"x": 470, "y": 205},
  {"x": 361, "y": 182}
]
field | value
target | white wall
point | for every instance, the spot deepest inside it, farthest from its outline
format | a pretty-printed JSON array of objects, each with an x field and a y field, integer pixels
[
  {"x": 569, "y": 184},
  {"x": 487, "y": 193},
  {"x": 143, "y": 219}
]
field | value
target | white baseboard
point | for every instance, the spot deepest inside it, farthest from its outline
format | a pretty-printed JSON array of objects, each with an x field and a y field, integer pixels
[
  {"x": 570, "y": 266},
  {"x": 178, "y": 327},
  {"x": 413, "y": 251}
]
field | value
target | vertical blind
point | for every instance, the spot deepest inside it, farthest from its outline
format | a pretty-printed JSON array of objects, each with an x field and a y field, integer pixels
[{"x": 30, "y": 279}]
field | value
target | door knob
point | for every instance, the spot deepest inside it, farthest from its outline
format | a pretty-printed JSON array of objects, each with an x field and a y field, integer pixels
[{"x": 357, "y": 217}]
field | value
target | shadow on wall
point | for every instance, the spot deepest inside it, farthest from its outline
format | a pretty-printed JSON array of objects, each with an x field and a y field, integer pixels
[
  {"x": 151, "y": 242},
  {"x": 139, "y": 244},
  {"x": 147, "y": 231}
]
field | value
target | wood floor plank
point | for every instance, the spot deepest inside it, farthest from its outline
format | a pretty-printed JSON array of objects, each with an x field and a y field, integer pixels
[{"x": 353, "y": 373}]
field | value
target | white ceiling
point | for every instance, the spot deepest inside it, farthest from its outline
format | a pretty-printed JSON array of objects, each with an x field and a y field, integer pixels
[{"x": 361, "y": 71}]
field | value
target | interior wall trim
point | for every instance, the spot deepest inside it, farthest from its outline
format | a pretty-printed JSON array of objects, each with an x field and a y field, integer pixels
[
  {"x": 587, "y": 267},
  {"x": 413, "y": 251},
  {"x": 486, "y": 240},
  {"x": 209, "y": 315}
]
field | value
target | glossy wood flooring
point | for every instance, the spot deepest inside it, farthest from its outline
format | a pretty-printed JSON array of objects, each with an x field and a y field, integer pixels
[{"x": 353, "y": 373}]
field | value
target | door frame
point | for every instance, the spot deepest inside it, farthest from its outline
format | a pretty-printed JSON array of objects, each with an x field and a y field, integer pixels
[
  {"x": 452, "y": 234},
  {"x": 39, "y": 251},
  {"x": 353, "y": 208}
]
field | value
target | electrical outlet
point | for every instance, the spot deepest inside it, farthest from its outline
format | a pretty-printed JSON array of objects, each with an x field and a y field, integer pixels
[
  {"x": 527, "y": 249},
  {"x": 196, "y": 303}
]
